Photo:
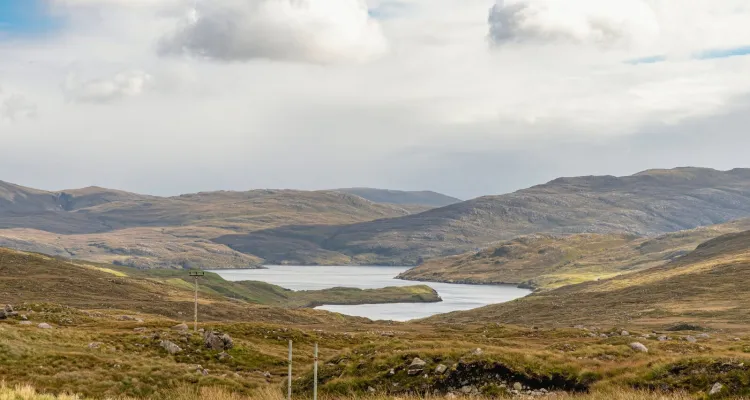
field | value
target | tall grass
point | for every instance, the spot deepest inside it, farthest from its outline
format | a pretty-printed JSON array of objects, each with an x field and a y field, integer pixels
[{"x": 269, "y": 393}]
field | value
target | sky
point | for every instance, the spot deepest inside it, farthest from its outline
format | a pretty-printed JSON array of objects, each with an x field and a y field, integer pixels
[{"x": 464, "y": 97}]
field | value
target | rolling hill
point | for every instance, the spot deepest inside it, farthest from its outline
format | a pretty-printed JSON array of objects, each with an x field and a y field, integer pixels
[
  {"x": 544, "y": 262},
  {"x": 707, "y": 287},
  {"x": 648, "y": 203},
  {"x": 147, "y": 231}
]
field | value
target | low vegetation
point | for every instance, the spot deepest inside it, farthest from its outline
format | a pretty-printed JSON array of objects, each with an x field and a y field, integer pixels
[{"x": 546, "y": 262}]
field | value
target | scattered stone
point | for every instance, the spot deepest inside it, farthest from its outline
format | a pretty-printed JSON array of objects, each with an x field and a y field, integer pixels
[
  {"x": 451, "y": 396},
  {"x": 129, "y": 318},
  {"x": 392, "y": 372},
  {"x": 416, "y": 367},
  {"x": 8, "y": 308},
  {"x": 467, "y": 389},
  {"x": 716, "y": 389},
  {"x": 94, "y": 345},
  {"x": 24, "y": 317},
  {"x": 267, "y": 375},
  {"x": 639, "y": 347},
  {"x": 224, "y": 356},
  {"x": 181, "y": 327},
  {"x": 44, "y": 325},
  {"x": 477, "y": 352},
  {"x": 662, "y": 338},
  {"x": 517, "y": 386},
  {"x": 25, "y": 323},
  {"x": 440, "y": 369},
  {"x": 204, "y": 372},
  {"x": 625, "y": 333},
  {"x": 704, "y": 336},
  {"x": 579, "y": 327},
  {"x": 370, "y": 389},
  {"x": 170, "y": 347},
  {"x": 141, "y": 329},
  {"x": 691, "y": 339}
]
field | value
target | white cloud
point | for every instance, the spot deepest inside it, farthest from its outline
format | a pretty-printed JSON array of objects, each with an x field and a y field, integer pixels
[
  {"x": 603, "y": 22},
  {"x": 122, "y": 85},
  {"x": 318, "y": 31}
]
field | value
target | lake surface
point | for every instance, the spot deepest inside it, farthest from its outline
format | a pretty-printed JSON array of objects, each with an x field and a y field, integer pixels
[{"x": 455, "y": 297}]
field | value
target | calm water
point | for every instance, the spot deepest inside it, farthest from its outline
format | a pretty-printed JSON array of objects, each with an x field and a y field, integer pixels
[{"x": 455, "y": 297}]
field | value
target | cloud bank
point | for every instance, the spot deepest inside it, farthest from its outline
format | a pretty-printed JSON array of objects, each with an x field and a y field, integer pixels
[
  {"x": 118, "y": 87},
  {"x": 314, "y": 31},
  {"x": 601, "y": 22}
]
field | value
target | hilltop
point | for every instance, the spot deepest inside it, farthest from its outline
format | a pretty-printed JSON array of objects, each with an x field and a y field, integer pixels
[
  {"x": 648, "y": 203},
  {"x": 426, "y": 198},
  {"x": 707, "y": 287},
  {"x": 545, "y": 261}
]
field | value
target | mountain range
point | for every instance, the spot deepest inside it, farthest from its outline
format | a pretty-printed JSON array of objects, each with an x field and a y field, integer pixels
[{"x": 246, "y": 229}]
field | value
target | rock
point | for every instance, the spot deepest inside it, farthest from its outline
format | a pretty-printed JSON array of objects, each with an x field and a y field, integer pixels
[
  {"x": 141, "y": 329},
  {"x": 625, "y": 333},
  {"x": 204, "y": 372},
  {"x": 3, "y": 315},
  {"x": 170, "y": 347},
  {"x": 517, "y": 386},
  {"x": 477, "y": 352},
  {"x": 417, "y": 362},
  {"x": 228, "y": 342},
  {"x": 662, "y": 338},
  {"x": 181, "y": 327},
  {"x": 392, "y": 372},
  {"x": 691, "y": 339},
  {"x": 94, "y": 345},
  {"x": 450, "y": 396},
  {"x": 440, "y": 369},
  {"x": 24, "y": 317},
  {"x": 44, "y": 325},
  {"x": 370, "y": 389},
  {"x": 224, "y": 356},
  {"x": 639, "y": 347},
  {"x": 704, "y": 336},
  {"x": 716, "y": 389},
  {"x": 8, "y": 308},
  {"x": 267, "y": 375},
  {"x": 25, "y": 323},
  {"x": 467, "y": 389}
]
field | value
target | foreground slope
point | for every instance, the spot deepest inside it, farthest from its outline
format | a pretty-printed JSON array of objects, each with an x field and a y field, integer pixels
[
  {"x": 706, "y": 287},
  {"x": 546, "y": 261},
  {"x": 648, "y": 203}
]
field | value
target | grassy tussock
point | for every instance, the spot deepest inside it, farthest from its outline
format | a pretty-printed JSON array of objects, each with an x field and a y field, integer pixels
[{"x": 187, "y": 393}]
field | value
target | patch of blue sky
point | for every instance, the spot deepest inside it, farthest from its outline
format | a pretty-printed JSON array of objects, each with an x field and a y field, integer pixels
[
  {"x": 723, "y": 53},
  {"x": 647, "y": 60},
  {"x": 388, "y": 10},
  {"x": 26, "y": 17}
]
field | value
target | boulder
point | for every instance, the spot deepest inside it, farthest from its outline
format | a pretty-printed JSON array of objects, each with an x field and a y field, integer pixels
[
  {"x": 662, "y": 338},
  {"x": 44, "y": 325},
  {"x": 181, "y": 327},
  {"x": 639, "y": 347},
  {"x": 25, "y": 323},
  {"x": 8, "y": 308},
  {"x": 625, "y": 333},
  {"x": 440, "y": 369},
  {"x": 416, "y": 367},
  {"x": 170, "y": 347},
  {"x": 215, "y": 341},
  {"x": 716, "y": 389}
]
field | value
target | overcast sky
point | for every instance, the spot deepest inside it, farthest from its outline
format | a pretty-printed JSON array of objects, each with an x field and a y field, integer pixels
[{"x": 466, "y": 97}]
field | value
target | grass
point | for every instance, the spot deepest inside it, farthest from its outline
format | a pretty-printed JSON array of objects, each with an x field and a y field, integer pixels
[{"x": 546, "y": 262}]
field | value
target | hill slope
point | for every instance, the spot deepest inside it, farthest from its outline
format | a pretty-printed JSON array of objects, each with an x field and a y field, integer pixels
[
  {"x": 422, "y": 198},
  {"x": 648, "y": 203},
  {"x": 707, "y": 287},
  {"x": 547, "y": 261}
]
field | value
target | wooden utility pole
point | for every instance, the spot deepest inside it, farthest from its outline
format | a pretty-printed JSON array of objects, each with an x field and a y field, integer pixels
[
  {"x": 196, "y": 275},
  {"x": 289, "y": 379},
  {"x": 315, "y": 374}
]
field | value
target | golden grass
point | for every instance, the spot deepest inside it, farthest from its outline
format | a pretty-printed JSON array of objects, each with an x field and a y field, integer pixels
[{"x": 23, "y": 392}]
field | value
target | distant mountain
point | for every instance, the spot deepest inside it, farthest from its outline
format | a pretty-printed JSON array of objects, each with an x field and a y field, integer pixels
[
  {"x": 422, "y": 198},
  {"x": 148, "y": 231},
  {"x": 649, "y": 203}
]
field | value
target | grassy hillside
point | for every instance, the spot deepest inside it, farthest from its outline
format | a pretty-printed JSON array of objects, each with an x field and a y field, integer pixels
[
  {"x": 419, "y": 198},
  {"x": 107, "y": 328},
  {"x": 547, "y": 262},
  {"x": 649, "y": 203},
  {"x": 708, "y": 287}
]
